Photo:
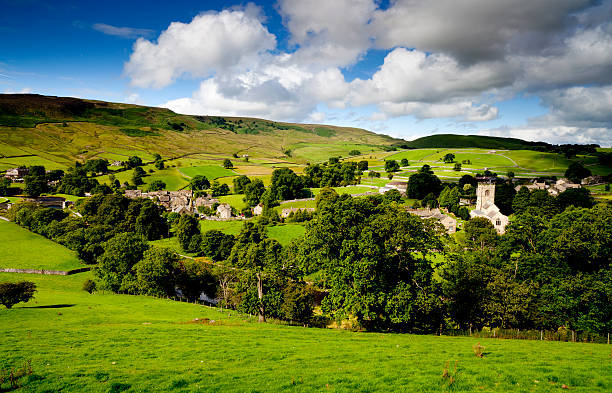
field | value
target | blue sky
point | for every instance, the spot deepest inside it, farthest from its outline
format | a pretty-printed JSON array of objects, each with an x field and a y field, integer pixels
[{"x": 404, "y": 68}]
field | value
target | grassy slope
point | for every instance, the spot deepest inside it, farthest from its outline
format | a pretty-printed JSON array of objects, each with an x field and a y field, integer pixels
[
  {"x": 22, "y": 249},
  {"x": 93, "y": 343}
]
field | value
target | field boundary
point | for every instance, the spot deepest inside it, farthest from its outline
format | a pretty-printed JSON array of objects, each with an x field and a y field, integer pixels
[{"x": 48, "y": 272}]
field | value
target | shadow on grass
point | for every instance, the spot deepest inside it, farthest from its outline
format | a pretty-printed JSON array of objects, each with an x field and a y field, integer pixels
[{"x": 53, "y": 306}]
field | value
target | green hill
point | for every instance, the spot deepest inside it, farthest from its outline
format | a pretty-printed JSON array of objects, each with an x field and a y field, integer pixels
[
  {"x": 468, "y": 141},
  {"x": 56, "y": 131}
]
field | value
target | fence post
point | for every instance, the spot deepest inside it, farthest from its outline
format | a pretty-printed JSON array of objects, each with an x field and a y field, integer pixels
[
  {"x": 541, "y": 334},
  {"x": 572, "y": 336},
  {"x": 608, "y": 338}
]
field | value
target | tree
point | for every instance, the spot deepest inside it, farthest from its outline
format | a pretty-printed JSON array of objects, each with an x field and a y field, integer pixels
[
  {"x": 259, "y": 257},
  {"x": 422, "y": 183},
  {"x": 227, "y": 164},
  {"x": 480, "y": 233},
  {"x": 134, "y": 161},
  {"x": 333, "y": 160},
  {"x": 577, "y": 197},
  {"x": 240, "y": 183},
  {"x": 121, "y": 253},
  {"x": 457, "y": 167},
  {"x": 199, "y": 183},
  {"x": 392, "y": 195},
  {"x": 99, "y": 165},
  {"x": 217, "y": 245},
  {"x": 219, "y": 189},
  {"x": 391, "y": 166},
  {"x": 137, "y": 175},
  {"x": 449, "y": 157},
  {"x": 253, "y": 192},
  {"x": 157, "y": 185},
  {"x": 449, "y": 197},
  {"x": 194, "y": 277},
  {"x": 354, "y": 153},
  {"x": 12, "y": 293},
  {"x": 404, "y": 162},
  {"x": 5, "y": 184},
  {"x": 159, "y": 164},
  {"x": 186, "y": 229},
  {"x": 362, "y": 165},
  {"x": 155, "y": 273},
  {"x": 36, "y": 181},
  {"x": 285, "y": 185},
  {"x": 504, "y": 197},
  {"x": 576, "y": 172}
]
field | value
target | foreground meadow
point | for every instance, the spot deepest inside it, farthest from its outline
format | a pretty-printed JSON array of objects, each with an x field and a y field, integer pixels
[{"x": 104, "y": 342}]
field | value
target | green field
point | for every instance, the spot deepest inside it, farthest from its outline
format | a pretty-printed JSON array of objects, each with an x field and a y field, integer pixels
[
  {"x": 317, "y": 152},
  {"x": 210, "y": 171},
  {"x": 285, "y": 233},
  {"x": 108, "y": 343},
  {"x": 234, "y": 200},
  {"x": 22, "y": 249}
]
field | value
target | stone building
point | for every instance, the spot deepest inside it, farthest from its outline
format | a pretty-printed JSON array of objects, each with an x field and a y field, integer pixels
[
  {"x": 286, "y": 212},
  {"x": 224, "y": 211},
  {"x": 485, "y": 207},
  {"x": 448, "y": 222}
]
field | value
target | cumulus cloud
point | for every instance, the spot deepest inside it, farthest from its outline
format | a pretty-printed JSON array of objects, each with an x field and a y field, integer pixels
[
  {"x": 329, "y": 33},
  {"x": 231, "y": 39},
  {"x": 411, "y": 75},
  {"x": 459, "y": 110},
  {"x": 123, "y": 32},
  {"x": 472, "y": 30}
]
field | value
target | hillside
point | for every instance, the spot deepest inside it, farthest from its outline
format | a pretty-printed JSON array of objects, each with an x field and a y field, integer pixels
[
  {"x": 56, "y": 131},
  {"x": 471, "y": 141}
]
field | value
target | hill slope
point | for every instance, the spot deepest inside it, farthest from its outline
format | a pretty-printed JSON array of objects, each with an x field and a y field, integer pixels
[
  {"x": 467, "y": 141},
  {"x": 60, "y": 130}
]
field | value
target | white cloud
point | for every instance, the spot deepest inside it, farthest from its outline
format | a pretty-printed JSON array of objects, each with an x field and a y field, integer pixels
[
  {"x": 123, "y": 32},
  {"x": 329, "y": 33},
  {"x": 211, "y": 42},
  {"x": 459, "y": 110},
  {"x": 472, "y": 30},
  {"x": 25, "y": 90}
]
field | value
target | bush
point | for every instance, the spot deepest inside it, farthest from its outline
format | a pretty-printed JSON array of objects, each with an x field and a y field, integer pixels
[
  {"x": 89, "y": 286},
  {"x": 12, "y": 293}
]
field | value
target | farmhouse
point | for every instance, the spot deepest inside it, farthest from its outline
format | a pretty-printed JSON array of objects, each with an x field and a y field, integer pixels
[
  {"x": 16, "y": 174},
  {"x": 449, "y": 223},
  {"x": 554, "y": 189},
  {"x": 224, "y": 211},
  {"x": 485, "y": 207},
  {"x": 257, "y": 210}
]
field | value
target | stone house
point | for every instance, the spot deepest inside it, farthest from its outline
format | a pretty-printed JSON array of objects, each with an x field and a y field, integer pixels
[
  {"x": 401, "y": 186},
  {"x": 224, "y": 211},
  {"x": 448, "y": 222},
  {"x": 257, "y": 210},
  {"x": 16, "y": 174}
]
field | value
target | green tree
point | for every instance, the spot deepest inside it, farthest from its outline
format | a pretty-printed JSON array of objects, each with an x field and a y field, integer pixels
[
  {"x": 186, "y": 229},
  {"x": 134, "y": 161},
  {"x": 199, "y": 183},
  {"x": 12, "y": 293},
  {"x": 504, "y": 197},
  {"x": 576, "y": 172},
  {"x": 577, "y": 197},
  {"x": 422, "y": 183},
  {"x": 121, "y": 253},
  {"x": 449, "y": 197},
  {"x": 285, "y": 185},
  {"x": 354, "y": 153},
  {"x": 219, "y": 189},
  {"x": 362, "y": 165},
  {"x": 240, "y": 183},
  {"x": 157, "y": 185},
  {"x": 137, "y": 175},
  {"x": 449, "y": 157},
  {"x": 457, "y": 167},
  {"x": 227, "y": 164},
  {"x": 217, "y": 245},
  {"x": 480, "y": 233},
  {"x": 194, "y": 277},
  {"x": 404, "y": 162},
  {"x": 5, "y": 184},
  {"x": 253, "y": 192},
  {"x": 155, "y": 272},
  {"x": 391, "y": 166},
  {"x": 36, "y": 181}
]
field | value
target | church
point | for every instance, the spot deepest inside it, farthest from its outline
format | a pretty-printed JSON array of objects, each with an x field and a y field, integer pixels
[{"x": 485, "y": 207}]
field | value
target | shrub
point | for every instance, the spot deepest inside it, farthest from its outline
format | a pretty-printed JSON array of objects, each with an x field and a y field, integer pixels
[
  {"x": 89, "y": 286},
  {"x": 478, "y": 350},
  {"x": 12, "y": 293}
]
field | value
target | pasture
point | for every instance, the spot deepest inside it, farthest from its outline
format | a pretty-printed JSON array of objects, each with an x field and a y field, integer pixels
[
  {"x": 103, "y": 342},
  {"x": 22, "y": 249}
]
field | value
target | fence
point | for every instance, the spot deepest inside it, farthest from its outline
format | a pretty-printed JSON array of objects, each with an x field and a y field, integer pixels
[{"x": 518, "y": 334}]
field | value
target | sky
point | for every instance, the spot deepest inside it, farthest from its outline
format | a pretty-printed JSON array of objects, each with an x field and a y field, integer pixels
[{"x": 535, "y": 70}]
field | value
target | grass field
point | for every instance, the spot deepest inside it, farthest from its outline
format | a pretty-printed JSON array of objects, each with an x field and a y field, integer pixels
[
  {"x": 285, "y": 233},
  {"x": 235, "y": 200},
  {"x": 318, "y": 152},
  {"x": 22, "y": 249},
  {"x": 109, "y": 343},
  {"x": 210, "y": 171}
]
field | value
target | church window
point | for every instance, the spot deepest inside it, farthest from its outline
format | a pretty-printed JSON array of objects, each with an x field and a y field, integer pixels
[
  {"x": 486, "y": 192},
  {"x": 498, "y": 222}
]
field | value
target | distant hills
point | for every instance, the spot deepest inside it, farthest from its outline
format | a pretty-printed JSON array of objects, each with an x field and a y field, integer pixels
[{"x": 478, "y": 141}]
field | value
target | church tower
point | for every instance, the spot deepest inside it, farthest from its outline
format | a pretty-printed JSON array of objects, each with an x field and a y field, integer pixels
[{"x": 485, "y": 193}]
